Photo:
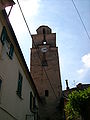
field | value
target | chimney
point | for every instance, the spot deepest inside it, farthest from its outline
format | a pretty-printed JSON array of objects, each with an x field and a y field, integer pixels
[{"x": 67, "y": 87}]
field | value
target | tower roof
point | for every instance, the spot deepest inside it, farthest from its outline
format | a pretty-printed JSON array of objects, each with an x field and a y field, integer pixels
[{"x": 44, "y": 30}]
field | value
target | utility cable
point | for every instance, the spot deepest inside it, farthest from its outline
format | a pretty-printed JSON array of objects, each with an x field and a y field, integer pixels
[
  {"x": 24, "y": 18},
  {"x": 81, "y": 19},
  {"x": 35, "y": 46}
]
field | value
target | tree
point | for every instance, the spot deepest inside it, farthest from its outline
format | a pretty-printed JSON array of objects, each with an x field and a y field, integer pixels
[{"x": 77, "y": 105}]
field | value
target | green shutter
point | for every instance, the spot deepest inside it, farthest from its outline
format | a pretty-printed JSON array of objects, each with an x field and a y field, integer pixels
[
  {"x": 0, "y": 83},
  {"x": 11, "y": 51},
  {"x": 19, "y": 88},
  {"x": 3, "y": 35}
]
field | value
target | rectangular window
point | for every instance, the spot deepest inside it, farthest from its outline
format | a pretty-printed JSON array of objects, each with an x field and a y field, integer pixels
[
  {"x": 19, "y": 88},
  {"x": 44, "y": 63},
  {"x": 46, "y": 93},
  {"x": 6, "y": 42},
  {"x": 11, "y": 51},
  {"x": 3, "y": 35}
]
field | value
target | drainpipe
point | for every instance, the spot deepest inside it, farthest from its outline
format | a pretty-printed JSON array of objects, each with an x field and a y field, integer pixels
[{"x": 33, "y": 109}]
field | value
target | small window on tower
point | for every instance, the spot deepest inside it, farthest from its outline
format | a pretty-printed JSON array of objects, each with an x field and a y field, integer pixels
[
  {"x": 46, "y": 93},
  {"x": 44, "y": 63},
  {"x": 43, "y": 30}
]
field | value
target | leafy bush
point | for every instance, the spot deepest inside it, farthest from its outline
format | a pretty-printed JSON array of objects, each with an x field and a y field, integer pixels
[{"x": 77, "y": 102}]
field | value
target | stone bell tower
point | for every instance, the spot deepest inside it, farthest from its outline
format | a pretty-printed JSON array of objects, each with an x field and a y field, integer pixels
[{"x": 44, "y": 66}]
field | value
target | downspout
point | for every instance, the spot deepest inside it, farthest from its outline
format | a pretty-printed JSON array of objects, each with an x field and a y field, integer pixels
[{"x": 34, "y": 111}]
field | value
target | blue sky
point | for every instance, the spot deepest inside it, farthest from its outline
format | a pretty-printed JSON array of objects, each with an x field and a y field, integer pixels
[{"x": 72, "y": 40}]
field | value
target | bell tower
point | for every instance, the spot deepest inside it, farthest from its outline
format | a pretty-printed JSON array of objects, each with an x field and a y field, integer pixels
[
  {"x": 44, "y": 64},
  {"x": 45, "y": 71}
]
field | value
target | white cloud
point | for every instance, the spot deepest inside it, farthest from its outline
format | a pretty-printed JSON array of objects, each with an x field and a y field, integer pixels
[
  {"x": 80, "y": 71},
  {"x": 30, "y": 8},
  {"x": 85, "y": 68},
  {"x": 86, "y": 60}
]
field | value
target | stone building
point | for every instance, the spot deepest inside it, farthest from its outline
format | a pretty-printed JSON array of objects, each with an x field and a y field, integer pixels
[
  {"x": 45, "y": 71},
  {"x": 18, "y": 95}
]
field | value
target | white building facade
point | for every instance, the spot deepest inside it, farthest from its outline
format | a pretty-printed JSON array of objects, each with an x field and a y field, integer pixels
[{"x": 18, "y": 95}]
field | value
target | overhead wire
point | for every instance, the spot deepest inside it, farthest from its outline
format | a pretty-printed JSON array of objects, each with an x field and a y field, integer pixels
[
  {"x": 35, "y": 46},
  {"x": 81, "y": 19}
]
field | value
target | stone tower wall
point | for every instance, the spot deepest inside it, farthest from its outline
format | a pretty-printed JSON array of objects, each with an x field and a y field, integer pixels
[{"x": 46, "y": 76}]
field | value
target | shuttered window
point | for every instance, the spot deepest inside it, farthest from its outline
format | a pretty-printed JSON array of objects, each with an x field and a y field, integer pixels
[
  {"x": 19, "y": 87},
  {"x": 7, "y": 43},
  {"x": 11, "y": 51},
  {"x": 0, "y": 83},
  {"x": 0, "y": 89},
  {"x": 3, "y": 35}
]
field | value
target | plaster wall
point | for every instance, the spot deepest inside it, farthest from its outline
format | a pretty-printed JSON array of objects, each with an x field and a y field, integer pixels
[{"x": 12, "y": 107}]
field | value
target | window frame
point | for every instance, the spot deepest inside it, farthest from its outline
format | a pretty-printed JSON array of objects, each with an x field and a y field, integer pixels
[
  {"x": 4, "y": 38},
  {"x": 11, "y": 51}
]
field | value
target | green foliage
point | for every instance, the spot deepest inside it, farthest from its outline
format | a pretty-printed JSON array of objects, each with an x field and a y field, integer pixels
[
  {"x": 77, "y": 101},
  {"x": 70, "y": 113}
]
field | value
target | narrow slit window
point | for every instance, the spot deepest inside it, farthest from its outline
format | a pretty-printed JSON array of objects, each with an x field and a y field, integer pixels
[
  {"x": 44, "y": 36},
  {"x": 43, "y": 30},
  {"x": 46, "y": 93}
]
